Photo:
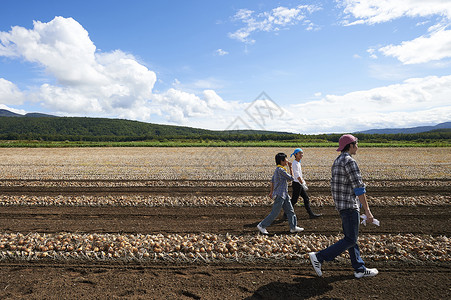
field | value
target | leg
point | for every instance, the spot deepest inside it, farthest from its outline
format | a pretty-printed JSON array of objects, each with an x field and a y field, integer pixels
[
  {"x": 289, "y": 211},
  {"x": 350, "y": 220},
  {"x": 294, "y": 196},
  {"x": 276, "y": 207},
  {"x": 296, "y": 191},
  {"x": 354, "y": 252},
  {"x": 306, "y": 199}
]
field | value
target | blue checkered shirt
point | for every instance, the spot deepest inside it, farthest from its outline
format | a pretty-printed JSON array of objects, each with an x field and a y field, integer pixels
[
  {"x": 280, "y": 180},
  {"x": 345, "y": 178}
]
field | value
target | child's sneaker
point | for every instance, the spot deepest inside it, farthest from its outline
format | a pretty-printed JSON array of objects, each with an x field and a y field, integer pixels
[
  {"x": 296, "y": 229},
  {"x": 262, "y": 230}
]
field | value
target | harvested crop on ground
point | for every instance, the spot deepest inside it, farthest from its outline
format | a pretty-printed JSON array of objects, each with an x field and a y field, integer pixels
[{"x": 169, "y": 223}]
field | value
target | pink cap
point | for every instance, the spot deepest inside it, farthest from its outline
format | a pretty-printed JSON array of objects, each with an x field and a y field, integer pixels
[{"x": 344, "y": 140}]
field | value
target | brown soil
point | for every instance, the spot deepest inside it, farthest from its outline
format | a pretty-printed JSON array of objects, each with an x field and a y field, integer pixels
[{"x": 259, "y": 280}]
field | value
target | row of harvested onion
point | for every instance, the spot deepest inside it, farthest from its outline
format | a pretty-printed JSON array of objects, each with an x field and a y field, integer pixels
[
  {"x": 208, "y": 247},
  {"x": 139, "y": 200},
  {"x": 206, "y": 183}
]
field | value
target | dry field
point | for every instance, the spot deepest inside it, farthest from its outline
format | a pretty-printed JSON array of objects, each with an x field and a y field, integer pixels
[{"x": 179, "y": 223}]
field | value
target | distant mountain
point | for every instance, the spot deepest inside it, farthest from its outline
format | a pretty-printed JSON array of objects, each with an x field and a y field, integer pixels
[
  {"x": 39, "y": 115},
  {"x": 7, "y": 113},
  {"x": 419, "y": 129},
  {"x": 41, "y": 126}
]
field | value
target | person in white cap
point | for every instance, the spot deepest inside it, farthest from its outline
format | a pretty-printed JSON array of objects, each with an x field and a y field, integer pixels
[
  {"x": 348, "y": 191},
  {"x": 299, "y": 186},
  {"x": 279, "y": 193}
]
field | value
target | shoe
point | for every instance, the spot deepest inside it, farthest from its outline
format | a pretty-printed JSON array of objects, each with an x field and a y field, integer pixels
[
  {"x": 296, "y": 229},
  {"x": 314, "y": 216},
  {"x": 367, "y": 273},
  {"x": 315, "y": 263},
  {"x": 262, "y": 230}
]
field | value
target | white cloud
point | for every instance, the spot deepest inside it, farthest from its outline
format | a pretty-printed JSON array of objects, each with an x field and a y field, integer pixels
[
  {"x": 415, "y": 101},
  {"x": 221, "y": 52},
  {"x": 432, "y": 47},
  {"x": 85, "y": 81},
  {"x": 10, "y": 93},
  {"x": 215, "y": 102},
  {"x": 17, "y": 111},
  {"x": 94, "y": 83},
  {"x": 380, "y": 11},
  {"x": 272, "y": 21},
  {"x": 436, "y": 46}
]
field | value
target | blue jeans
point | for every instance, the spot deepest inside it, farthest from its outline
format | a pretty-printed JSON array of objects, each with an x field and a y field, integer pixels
[
  {"x": 280, "y": 203},
  {"x": 350, "y": 219}
]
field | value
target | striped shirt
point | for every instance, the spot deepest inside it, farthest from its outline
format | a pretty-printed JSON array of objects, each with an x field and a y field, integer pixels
[
  {"x": 345, "y": 178},
  {"x": 280, "y": 180}
]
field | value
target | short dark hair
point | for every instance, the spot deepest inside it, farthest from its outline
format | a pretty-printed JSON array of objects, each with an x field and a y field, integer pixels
[
  {"x": 280, "y": 157},
  {"x": 346, "y": 148}
]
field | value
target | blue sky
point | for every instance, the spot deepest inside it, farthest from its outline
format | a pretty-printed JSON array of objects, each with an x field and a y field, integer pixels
[{"x": 297, "y": 66}]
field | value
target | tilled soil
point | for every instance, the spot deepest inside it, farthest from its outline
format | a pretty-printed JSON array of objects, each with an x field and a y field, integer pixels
[{"x": 225, "y": 280}]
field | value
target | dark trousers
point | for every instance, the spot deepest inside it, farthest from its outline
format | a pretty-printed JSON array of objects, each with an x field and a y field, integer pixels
[
  {"x": 350, "y": 219},
  {"x": 298, "y": 190}
]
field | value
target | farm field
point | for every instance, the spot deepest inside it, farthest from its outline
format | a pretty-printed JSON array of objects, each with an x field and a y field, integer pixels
[{"x": 180, "y": 223}]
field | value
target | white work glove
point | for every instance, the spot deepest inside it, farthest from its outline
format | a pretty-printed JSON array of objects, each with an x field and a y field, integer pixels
[{"x": 375, "y": 221}]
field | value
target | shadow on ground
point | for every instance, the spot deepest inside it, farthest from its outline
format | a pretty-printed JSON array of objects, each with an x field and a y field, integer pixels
[{"x": 304, "y": 288}]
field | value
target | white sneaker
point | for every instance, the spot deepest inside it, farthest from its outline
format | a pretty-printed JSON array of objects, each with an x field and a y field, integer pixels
[
  {"x": 315, "y": 263},
  {"x": 366, "y": 273},
  {"x": 296, "y": 229},
  {"x": 262, "y": 230}
]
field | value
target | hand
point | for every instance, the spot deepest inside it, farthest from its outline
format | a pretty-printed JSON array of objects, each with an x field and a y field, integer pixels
[{"x": 369, "y": 217}]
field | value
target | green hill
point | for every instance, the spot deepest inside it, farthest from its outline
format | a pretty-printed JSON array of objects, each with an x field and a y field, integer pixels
[
  {"x": 40, "y": 127},
  {"x": 102, "y": 129}
]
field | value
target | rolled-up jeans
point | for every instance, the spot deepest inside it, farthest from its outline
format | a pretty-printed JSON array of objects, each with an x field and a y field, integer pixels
[
  {"x": 280, "y": 203},
  {"x": 350, "y": 219}
]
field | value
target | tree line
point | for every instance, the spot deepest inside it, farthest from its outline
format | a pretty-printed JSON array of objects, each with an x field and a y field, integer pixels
[{"x": 115, "y": 130}]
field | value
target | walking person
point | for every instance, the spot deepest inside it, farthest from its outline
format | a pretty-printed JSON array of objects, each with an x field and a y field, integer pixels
[
  {"x": 348, "y": 192},
  {"x": 279, "y": 192},
  {"x": 299, "y": 186}
]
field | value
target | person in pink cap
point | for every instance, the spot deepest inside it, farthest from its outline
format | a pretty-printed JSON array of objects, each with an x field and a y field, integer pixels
[{"x": 348, "y": 192}]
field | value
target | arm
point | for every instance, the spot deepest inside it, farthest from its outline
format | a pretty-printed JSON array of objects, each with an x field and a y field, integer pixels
[
  {"x": 359, "y": 188},
  {"x": 285, "y": 175},
  {"x": 366, "y": 208},
  {"x": 290, "y": 168},
  {"x": 272, "y": 190}
]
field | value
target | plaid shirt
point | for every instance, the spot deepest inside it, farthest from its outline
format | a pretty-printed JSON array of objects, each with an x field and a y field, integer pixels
[
  {"x": 280, "y": 180},
  {"x": 345, "y": 178}
]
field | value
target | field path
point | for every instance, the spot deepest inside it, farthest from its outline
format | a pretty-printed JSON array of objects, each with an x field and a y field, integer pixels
[{"x": 433, "y": 220}]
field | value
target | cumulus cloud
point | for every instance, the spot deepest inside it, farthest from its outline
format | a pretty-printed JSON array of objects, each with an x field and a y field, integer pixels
[
  {"x": 412, "y": 102},
  {"x": 10, "y": 93},
  {"x": 435, "y": 45},
  {"x": 221, "y": 52},
  {"x": 271, "y": 21},
  {"x": 85, "y": 81},
  {"x": 380, "y": 11}
]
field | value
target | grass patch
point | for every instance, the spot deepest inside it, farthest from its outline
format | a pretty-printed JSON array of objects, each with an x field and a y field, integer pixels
[{"x": 200, "y": 143}]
